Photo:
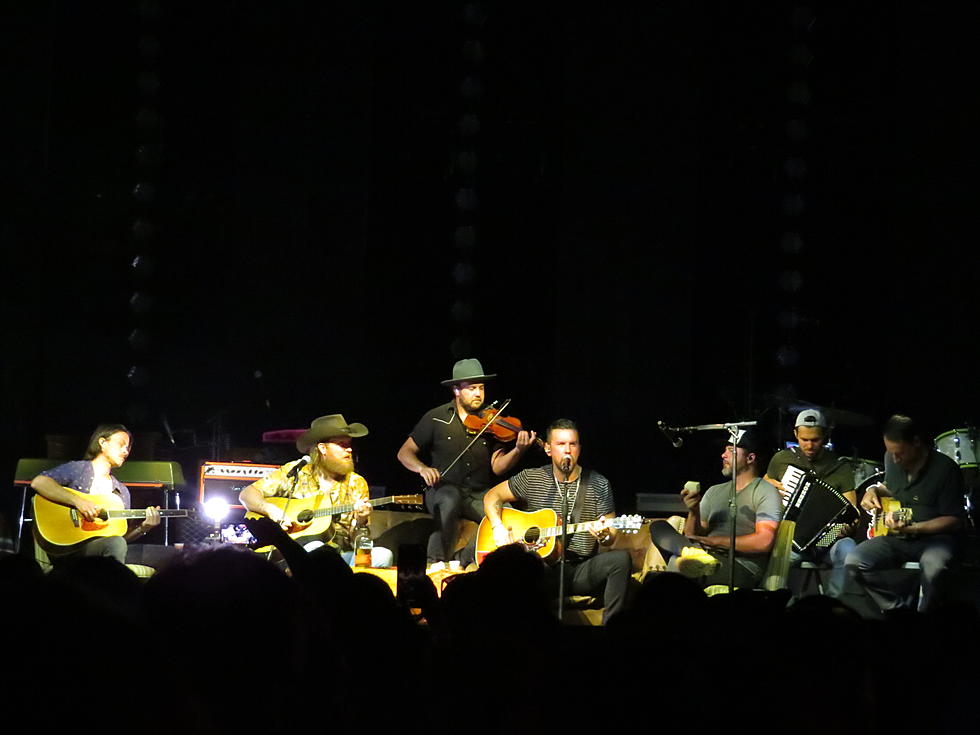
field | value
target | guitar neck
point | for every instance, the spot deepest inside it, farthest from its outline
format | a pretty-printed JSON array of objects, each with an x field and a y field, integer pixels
[
  {"x": 134, "y": 513},
  {"x": 348, "y": 507},
  {"x": 572, "y": 528}
]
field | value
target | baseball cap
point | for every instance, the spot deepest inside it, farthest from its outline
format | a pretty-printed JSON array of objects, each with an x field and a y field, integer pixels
[{"x": 811, "y": 417}]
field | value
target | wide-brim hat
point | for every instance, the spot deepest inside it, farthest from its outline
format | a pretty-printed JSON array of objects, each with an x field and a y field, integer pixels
[
  {"x": 468, "y": 371},
  {"x": 328, "y": 427}
]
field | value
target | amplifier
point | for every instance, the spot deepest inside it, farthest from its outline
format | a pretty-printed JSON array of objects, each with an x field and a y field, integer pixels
[{"x": 227, "y": 479}]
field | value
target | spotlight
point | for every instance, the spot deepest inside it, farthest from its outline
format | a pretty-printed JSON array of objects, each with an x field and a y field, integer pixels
[{"x": 216, "y": 509}]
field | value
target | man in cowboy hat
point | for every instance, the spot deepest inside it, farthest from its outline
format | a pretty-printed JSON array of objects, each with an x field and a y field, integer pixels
[
  {"x": 458, "y": 476},
  {"x": 327, "y": 468}
]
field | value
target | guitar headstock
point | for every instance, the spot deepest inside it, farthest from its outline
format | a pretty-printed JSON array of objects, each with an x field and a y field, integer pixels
[
  {"x": 627, "y": 524},
  {"x": 408, "y": 499}
]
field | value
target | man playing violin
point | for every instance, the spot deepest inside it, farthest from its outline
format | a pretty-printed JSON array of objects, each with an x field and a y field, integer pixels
[{"x": 458, "y": 473}]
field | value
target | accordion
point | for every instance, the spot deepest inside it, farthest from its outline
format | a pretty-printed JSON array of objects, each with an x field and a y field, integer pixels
[{"x": 819, "y": 509}]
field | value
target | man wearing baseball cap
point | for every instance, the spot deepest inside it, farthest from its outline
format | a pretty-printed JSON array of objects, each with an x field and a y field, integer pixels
[
  {"x": 327, "y": 468},
  {"x": 812, "y": 454},
  {"x": 708, "y": 524},
  {"x": 457, "y": 472}
]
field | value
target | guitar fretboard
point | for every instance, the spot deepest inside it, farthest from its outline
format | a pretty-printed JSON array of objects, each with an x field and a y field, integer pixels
[
  {"x": 141, "y": 513},
  {"x": 348, "y": 507}
]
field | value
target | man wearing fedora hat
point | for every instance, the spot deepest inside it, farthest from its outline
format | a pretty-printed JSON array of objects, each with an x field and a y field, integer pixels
[
  {"x": 327, "y": 467},
  {"x": 458, "y": 476}
]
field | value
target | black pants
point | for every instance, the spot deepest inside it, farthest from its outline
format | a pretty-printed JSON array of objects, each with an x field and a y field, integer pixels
[
  {"x": 447, "y": 504},
  {"x": 605, "y": 575},
  {"x": 670, "y": 543}
]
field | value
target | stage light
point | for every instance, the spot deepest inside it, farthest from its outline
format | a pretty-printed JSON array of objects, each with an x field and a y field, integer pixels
[
  {"x": 465, "y": 237},
  {"x": 139, "y": 340},
  {"x": 467, "y": 162},
  {"x": 791, "y": 243},
  {"x": 140, "y": 302},
  {"x": 144, "y": 192},
  {"x": 467, "y": 200},
  {"x": 143, "y": 265},
  {"x": 142, "y": 229},
  {"x": 469, "y": 125},
  {"x": 791, "y": 281},
  {"x": 462, "y": 311},
  {"x": 216, "y": 509},
  {"x": 138, "y": 376},
  {"x": 463, "y": 274}
]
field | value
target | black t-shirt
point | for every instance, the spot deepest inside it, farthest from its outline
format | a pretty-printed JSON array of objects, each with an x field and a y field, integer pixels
[
  {"x": 936, "y": 491},
  {"x": 441, "y": 434}
]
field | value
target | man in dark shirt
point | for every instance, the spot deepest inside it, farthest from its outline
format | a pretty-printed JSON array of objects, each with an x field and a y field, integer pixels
[
  {"x": 928, "y": 483},
  {"x": 458, "y": 473},
  {"x": 811, "y": 453}
]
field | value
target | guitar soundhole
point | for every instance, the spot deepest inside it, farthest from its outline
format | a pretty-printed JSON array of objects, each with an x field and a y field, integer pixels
[
  {"x": 305, "y": 516},
  {"x": 532, "y": 535}
]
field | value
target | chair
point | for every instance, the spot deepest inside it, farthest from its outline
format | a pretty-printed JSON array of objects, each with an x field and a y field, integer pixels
[{"x": 813, "y": 570}]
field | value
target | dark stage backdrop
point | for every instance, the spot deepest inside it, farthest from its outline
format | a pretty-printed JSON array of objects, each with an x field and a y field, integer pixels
[{"x": 674, "y": 211}]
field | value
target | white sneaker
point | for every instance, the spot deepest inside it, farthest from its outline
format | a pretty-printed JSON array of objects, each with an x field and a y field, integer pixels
[
  {"x": 436, "y": 566},
  {"x": 455, "y": 566}
]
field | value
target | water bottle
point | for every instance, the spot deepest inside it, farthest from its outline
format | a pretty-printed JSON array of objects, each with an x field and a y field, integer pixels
[{"x": 363, "y": 544}]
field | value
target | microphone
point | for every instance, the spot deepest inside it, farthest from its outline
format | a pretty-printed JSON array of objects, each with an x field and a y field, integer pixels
[
  {"x": 166, "y": 427},
  {"x": 674, "y": 439},
  {"x": 298, "y": 466}
]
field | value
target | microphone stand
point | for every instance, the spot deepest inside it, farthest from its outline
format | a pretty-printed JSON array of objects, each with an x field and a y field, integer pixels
[
  {"x": 732, "y": 509},
  {"x": 564, "y": 547}
]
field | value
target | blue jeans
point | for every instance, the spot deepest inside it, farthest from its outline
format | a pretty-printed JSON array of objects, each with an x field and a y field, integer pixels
[
  {"x": 835, "y": 556},
  {"x": 866, "y": 562},
  {"x": 381, "y": 558}
]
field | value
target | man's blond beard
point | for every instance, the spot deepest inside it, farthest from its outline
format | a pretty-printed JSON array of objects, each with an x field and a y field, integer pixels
[{"x": 331, "y": 468}]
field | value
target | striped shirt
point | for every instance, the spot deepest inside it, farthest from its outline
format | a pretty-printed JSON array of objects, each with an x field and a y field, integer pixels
[{"x": 538, "y": 488}]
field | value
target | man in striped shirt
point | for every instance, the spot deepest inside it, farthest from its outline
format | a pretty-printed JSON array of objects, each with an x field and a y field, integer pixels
[{"x": 588, "y": 497}]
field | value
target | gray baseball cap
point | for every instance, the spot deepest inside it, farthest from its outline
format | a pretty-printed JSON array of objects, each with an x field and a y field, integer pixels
[{"x": 811, "y": 417}]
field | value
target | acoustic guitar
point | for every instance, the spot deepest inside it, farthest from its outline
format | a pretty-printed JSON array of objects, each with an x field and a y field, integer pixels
[
  {"x": 890, "y": 506},
  {"x": 539, "y": 531},
  {"x": 64, "y": 526},
  {"x": 310, "y": 517}
]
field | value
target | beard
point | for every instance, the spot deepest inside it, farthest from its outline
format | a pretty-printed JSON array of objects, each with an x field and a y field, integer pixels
[{"x": 334, "y": 467}]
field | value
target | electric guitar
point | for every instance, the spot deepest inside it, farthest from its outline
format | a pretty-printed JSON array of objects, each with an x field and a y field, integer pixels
[
  {"x": 310, "y": 517},
  {"x": 63, "y": 526},
  {"x": 891, "y": 506},
  {"x": 540, "y": 531}
]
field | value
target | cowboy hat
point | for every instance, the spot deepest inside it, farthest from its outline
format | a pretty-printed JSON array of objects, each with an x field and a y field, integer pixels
[
  {"x": 328, "y": 427},
  {"x": 467, "y": 371}
]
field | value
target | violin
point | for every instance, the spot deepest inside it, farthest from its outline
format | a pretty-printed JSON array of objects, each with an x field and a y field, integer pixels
[{"x": 505, "y": 430}]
